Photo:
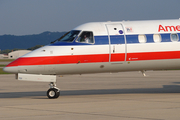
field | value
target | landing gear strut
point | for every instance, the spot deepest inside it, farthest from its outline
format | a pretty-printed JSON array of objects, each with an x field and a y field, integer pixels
[{"x": 53, "y": 92}]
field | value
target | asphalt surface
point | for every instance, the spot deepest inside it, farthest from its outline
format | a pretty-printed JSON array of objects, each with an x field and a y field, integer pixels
[{"x": 116, "y": 96}]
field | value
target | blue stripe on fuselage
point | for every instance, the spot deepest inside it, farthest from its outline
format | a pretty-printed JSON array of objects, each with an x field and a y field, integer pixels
[{"x": 117, "y": 39}]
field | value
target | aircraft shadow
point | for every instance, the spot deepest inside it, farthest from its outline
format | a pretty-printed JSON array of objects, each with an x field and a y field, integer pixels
[{"x": 42, "y": 94}]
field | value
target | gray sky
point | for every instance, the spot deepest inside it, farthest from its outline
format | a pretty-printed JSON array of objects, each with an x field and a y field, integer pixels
[{"x": 25, "y": 17}]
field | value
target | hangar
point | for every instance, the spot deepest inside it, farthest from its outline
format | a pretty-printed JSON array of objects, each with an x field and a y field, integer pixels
[{"x": 18, "y": 53}]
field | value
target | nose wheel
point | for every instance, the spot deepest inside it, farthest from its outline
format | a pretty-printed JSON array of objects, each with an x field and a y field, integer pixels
[{"x": 53, "y": 92}]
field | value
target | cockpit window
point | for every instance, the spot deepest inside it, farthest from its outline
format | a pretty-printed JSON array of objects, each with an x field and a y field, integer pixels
[
  {"x": 86, "y": 37},
  {"x": 69, "y": 36}
]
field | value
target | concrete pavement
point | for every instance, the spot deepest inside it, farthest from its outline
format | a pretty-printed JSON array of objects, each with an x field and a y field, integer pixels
[{"x": 125, "y": 96}]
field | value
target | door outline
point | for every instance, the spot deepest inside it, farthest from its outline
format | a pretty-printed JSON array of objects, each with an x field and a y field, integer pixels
[{"x": 125, "y": 43}]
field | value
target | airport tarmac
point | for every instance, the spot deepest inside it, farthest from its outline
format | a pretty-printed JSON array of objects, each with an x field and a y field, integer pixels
[{"x": 116, "y": 96}]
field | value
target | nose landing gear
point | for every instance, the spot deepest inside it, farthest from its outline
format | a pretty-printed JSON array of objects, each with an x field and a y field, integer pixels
[{"x": 53, "y": 92}]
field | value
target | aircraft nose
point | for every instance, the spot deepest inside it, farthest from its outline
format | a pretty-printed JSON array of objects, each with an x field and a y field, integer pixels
[{"x": 10, "y": 69}]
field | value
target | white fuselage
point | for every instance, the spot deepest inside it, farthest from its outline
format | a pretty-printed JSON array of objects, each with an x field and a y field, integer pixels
[{"x": 116, "y": 46}]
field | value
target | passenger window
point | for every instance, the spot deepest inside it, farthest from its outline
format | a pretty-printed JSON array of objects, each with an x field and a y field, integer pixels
[
  {"x": 86, "y": 37},
  {"x": 142, "y": 38},
  {"x": 157, "y": 38},
  {"x": 174, "y": 37}
]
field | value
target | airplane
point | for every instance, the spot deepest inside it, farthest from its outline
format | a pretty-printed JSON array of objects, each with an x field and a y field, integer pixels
[{"x": 100, "y": 47}]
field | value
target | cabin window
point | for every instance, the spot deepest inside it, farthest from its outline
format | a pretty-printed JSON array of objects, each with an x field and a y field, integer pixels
[
  {"x": 157, "y": 38},
  {"x": 142, "y": 38},
  {"x": 174, "y": 37},
  {"x": 86, "y": 37}
]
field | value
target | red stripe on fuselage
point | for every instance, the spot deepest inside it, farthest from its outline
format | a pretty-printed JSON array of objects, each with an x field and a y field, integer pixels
[
  {"x": 153, "y": 55},
  {"x": 75, "y": 59},
  {"x": 71, "y": 59}
]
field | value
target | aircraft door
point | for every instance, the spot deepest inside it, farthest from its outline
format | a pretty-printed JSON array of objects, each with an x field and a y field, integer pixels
[{"x": 117, "y": 42}]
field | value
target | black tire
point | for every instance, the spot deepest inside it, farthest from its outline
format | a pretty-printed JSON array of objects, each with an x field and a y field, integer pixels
[{"x": 53, "y": 93}]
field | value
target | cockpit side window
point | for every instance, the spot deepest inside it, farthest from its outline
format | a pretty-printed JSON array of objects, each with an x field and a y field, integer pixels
[
  {"x": 69, "y": 36},
  {"x": 86, "y": 37}
]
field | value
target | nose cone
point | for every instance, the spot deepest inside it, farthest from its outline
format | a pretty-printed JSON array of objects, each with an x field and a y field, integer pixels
[{"x": 11, "y": 69}]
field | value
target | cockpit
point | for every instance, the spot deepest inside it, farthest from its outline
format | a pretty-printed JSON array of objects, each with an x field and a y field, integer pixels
[{"x": 77, "y": 36}]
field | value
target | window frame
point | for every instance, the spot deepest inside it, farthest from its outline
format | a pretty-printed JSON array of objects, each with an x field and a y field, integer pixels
[
  {"x": 160, "y": 38},
  {"x": 172, "y": 38},
  {"x": 145, "y": 40},
  {"x": 63, "y": 36},
  {"x": 85, "y": 42}
]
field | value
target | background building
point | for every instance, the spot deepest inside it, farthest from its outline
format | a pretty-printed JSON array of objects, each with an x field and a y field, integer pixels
[{"x": 17, "y": 54}]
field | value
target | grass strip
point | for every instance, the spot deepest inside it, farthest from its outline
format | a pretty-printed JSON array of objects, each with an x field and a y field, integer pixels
[
  {"x": 2, "y": 65},
  {"x": 2, "y": 72},
  {"x": 6, "y": 60}
]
